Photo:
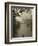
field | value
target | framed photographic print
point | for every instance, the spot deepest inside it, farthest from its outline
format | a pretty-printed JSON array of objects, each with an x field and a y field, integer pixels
[{"x": 20, "y": 22}]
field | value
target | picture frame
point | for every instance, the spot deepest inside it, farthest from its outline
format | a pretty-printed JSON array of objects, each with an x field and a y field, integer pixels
[{"x": 20, "y": 22}]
